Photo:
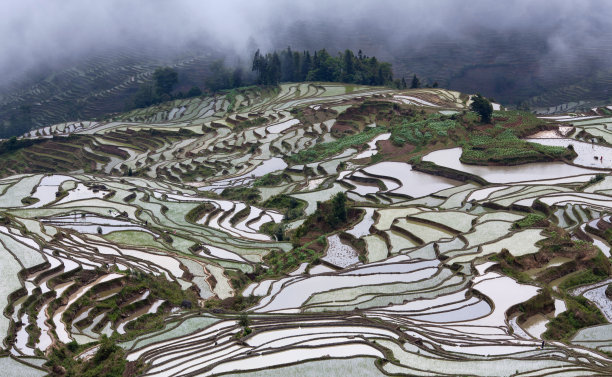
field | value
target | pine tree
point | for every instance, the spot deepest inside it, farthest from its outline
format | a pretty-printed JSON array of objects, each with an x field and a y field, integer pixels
[
  {"x": 415, "y": 82},
  {"x": 483, "y": 107},
  {"x": 297, "y": 67},
  {"x": 306, "y": 65},
  {"x": 275, "y": 70},
  {"x": 348, "y": 66},
  {"x": 165, "y": 79}
]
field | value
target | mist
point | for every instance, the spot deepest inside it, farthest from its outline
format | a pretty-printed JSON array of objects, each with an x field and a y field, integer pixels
[{"x": 36, "y": 34}]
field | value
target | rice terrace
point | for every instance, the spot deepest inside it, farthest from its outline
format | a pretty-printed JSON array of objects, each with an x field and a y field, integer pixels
[{"x": 323, "y": 222}]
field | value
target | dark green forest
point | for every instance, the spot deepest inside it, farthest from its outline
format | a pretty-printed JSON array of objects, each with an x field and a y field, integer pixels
[
  {"x": 273, "y": 68},
  {"x": 291, "y": 66}
]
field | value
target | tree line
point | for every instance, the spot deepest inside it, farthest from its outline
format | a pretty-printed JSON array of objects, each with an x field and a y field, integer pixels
[
  {"x": 160, "y": 89},
  {"x": 292, "y": 66},
  {"x": 273, "y": 68}
]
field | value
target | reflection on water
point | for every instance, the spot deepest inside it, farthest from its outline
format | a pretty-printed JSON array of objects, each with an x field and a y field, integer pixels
[{"x": 506, "y": 174}]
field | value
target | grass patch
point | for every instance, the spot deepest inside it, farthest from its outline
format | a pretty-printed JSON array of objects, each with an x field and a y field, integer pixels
[
  {"x": 530, "y": 221},
  {"x": 198, "y": 171},
  {"x": 270, "y": 180},
  {"x": 580, "y": 313},
  {"x": 198, "y": 212},
  {"x": 280, "y": 262},
  {"x": 231, "y": 98},
  {"x": 596, "y": 179},
  {"x": 249, "y": 195},
  {"x": 254, "y": 122},
  {"x": 133, "y": 237},
  {"x": 109, "y": 361},
  {"x": 507, "y": 149},
  {"x": 322, "y": 151},
  {"x": 539, "y": 304},
  {"x": 122, "y": 304},
  {"x": 28, "y": 200},
  {"x": 235, "y": 304},
  {"x": 422, "y": 132},
  {"x": 290, "y": 206},
  {"x": 584, "y": 277}
]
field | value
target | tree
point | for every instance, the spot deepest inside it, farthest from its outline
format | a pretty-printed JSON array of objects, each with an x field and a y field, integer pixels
[
  {"x": 275, "y": 69},
  {"x": 347, "y": 66},
  {"x": 268, "y": 68},
  {"x": 165, "y": 80},
  {"x": 415, "y": 82},
  {"x": 244, "y": 320},
  {"x": 288, "y": 65},
  {"x": 385, "y": 74},
  {"x": 257, "y": 63},
  {"x": 194, "y": 92},
  {"x": 306, "y": 65},
  {"x": 483, "y": 107},
  {"x": 144, "y": 96},
  {"x": 220, "y": 77},
  {"x": 337, "y": 215},
  {"x": 237, "y": 77},
  {"x": 297, "y": 66}
]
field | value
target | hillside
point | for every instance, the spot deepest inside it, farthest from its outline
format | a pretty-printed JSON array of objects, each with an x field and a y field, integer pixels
[
  {"x": 530, "y": 76},
  {"x": 96, "y": 86},
  {"x": 309, "y": 229}
]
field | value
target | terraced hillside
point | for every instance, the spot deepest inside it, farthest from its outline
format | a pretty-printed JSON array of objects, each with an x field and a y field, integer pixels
[
  {"x": 531, "y": 75},
  {"x": 312, "y": 229},
  {"x": 96, "y": 86}
]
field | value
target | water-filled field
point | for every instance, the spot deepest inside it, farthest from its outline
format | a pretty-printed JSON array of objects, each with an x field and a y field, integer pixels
[{"x": 308, "y": 231}]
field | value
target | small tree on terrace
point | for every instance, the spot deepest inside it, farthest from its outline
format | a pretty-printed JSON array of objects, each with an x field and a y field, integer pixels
[
  {"x": 337, "y": 215},
  {"x": 483, "y": 107}
]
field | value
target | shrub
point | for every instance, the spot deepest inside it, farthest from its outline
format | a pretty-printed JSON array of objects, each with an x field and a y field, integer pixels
[
  {"x": 483, "y": 107},
  {"x": 245, "y": 194},
  {"x": 580, "y": 313},
  {"x": 531, "y": 220}
]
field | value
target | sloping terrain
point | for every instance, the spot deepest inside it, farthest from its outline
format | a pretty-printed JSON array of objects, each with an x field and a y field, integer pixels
[
  {"x": 531, "y": 75},
  {"x": 309, "y": 229},
  {"x": 96, "y": 86}
]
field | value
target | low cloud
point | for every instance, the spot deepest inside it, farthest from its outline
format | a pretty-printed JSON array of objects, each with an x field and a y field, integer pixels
[{"x": 43, "y": 33}]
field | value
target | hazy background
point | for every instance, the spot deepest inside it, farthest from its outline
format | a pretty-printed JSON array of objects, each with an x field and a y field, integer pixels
[{"x": 516, "y": 51}]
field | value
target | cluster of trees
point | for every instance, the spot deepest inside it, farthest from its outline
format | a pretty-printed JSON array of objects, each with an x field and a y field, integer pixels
[
  {"x": 19, "y": 122},
  {"x": 338, "y": 214},
  {"x": 292, "y": 66},
  {"x": 223, "y": 77},
  {"x": 13, "y": 144},
  {"x": 414, "y": 84},
  {"x": 160, "y": 89},
  {"x": 274, "y": 68}
]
